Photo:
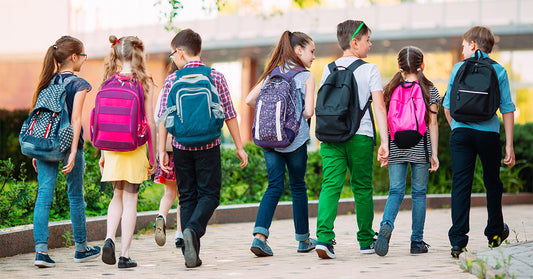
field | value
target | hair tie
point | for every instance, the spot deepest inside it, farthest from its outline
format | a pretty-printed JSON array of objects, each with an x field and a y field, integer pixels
[
  {"x": 139, "y": 46},
  {"x": 55, "y": 47},
  {"x": 418, "y": 69},
  {"x": 116, "y": 42}
]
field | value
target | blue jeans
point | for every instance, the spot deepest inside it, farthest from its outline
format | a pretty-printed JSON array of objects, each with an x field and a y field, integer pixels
[
  {"x": 419, "y": 181},
  {"x": 296, "y": 163},
  {"x": 47, "y": 177}
]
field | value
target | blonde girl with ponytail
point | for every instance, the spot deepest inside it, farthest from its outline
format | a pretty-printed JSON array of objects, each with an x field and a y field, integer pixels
[{"x": 126, "y": 169}]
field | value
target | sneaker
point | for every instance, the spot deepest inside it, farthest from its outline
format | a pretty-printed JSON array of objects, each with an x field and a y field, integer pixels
[
  {"x": 418, "y": 247},
  {"x": 89, "y": 254},
  {"x": 43, "y": 260},
  {"x": 306, "y": 246},
  {"x": 179, "y": 242},
  {"x": 381, "y": 246},
  {"x": 108, "y": 252},
  {"x": 497, "y": 240},
  {"x": 160, "y": 230},
  {"x": 368, "y": 249},
  {"x": 124, "y": 262},
  {"x": 456, "y": 251},
  {"x": 325, "y": 250},
  {"x": 191, "y": 248},
  {"x": 260, "y": 248}
]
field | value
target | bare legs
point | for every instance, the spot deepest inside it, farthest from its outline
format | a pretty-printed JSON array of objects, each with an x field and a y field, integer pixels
[{"x": 123, "y": 207}]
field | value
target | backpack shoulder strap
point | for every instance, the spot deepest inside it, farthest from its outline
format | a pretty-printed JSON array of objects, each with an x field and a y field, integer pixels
[
  {"x": 356, "y": 64},
  {"x": 368, "y": 107}
]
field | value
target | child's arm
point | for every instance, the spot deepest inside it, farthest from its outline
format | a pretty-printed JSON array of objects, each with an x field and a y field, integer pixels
[
  {"x": 434, "y": 136},
  {"x": 252, "y": 96},
  {"x": 75, "y": 121},
  {"x": 508, "y": 124},
  {"x": 309, "y": 109},
  {"x": 149, "y": 113},
  {"x": 448, "y": 116},
  {"x": 233, "y": 127},
  {"x": 162, "y": 153},
  {"x": 381, "y": 118}
]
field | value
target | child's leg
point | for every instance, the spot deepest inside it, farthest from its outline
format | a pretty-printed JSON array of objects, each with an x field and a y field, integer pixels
[
  {"x": 296, "y": 165},
  {"x": 419, "y": 182},
  {"x": 397, "y": 176},
  {"x": 360, "y": 158},
  {"x": 114, "y": 210},
  {"x": 334, "y": 165},
  {"x": 129, "y": 216},
  {"x": 168, "y": 198},
  {"x": 463, "y": 153},
  {"x": 275, "y": 163},
  {"x": 47, "y": 177},
  {"x": 490, "y": 154},
  {"x": 77, "y": 202}
]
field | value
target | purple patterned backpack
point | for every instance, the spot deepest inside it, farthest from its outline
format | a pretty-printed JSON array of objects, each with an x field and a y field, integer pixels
[{"x": 276, "y": 121}]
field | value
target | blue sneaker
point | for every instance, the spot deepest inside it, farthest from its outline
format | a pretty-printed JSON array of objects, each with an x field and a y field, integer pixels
[
  {"x": 88, "y": 254},
  {"x": 260, "y": 248},
  {"x": 381, "y": 246},
  {"x": 325, "y": 250},
  {"x": 306, "y": 246},
  {"x": 368, "y": 249},
  {"x": 43, "y": 260}
]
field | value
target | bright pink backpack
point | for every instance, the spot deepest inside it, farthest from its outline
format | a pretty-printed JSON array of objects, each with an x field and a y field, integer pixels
[
  {"x": 118, "y": 122},
  {"x": 406, "y": 117}
]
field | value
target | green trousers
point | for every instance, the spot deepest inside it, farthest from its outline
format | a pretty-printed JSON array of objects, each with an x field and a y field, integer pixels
[{"x": 356, "y": 155}]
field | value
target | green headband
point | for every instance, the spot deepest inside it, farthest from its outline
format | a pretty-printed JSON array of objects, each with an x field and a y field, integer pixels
[{"x": 358, "y": 28}]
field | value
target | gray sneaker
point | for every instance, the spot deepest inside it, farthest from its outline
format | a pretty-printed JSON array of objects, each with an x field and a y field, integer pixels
[
  {"x": 306, "y": 246},
  {"x": 382, "y": 243},
  {"x": 260, "y": 248},
  {"x": 160, "y": 231}
]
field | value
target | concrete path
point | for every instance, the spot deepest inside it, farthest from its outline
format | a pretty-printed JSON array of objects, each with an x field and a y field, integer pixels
[{"x": 225, "y": 253}]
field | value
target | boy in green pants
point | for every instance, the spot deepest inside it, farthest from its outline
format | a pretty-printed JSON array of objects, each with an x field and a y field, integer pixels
[{"x": 356, "y": 153}]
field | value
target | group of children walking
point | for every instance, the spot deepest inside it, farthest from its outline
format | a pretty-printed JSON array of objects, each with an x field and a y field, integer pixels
[{"x": 405, "y": 111}]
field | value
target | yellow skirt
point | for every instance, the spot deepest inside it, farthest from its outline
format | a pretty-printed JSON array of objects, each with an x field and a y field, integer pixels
[{"x": 130, "y": 166}]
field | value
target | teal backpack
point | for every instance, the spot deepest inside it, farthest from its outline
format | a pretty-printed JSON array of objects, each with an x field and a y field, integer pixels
[{"x": 194, "y": 115}]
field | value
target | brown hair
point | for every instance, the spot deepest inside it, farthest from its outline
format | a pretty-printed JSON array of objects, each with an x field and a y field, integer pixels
[
  {"x": 55, "y": 56},
  {"x": 346, "y": 29},
  {"x": 189, "y": 40},
  {"x": 482, "y": 36},
  {"x": 128, "y": 49},
  {"x": 410, "y": 61},
  {"x": 284, "y": 51}
]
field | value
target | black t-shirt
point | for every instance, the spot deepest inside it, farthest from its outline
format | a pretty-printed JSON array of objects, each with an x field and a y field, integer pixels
[{"x": 75, "y": 85}]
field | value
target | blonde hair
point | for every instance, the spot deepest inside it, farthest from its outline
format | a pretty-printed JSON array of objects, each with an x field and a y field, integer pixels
[{"x": 128, "y": 49}]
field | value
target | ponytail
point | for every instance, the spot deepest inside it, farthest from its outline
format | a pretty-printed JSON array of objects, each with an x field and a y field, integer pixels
[
  {"x": 56, "y": 55},
  {"x": 284, "y": 52}
]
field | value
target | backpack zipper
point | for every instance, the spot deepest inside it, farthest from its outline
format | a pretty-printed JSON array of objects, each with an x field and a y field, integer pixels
[{"x": 198, "y": 91}]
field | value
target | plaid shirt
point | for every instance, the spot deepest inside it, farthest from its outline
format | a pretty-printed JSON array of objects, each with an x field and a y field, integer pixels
[{"x": 223, "y": 93}]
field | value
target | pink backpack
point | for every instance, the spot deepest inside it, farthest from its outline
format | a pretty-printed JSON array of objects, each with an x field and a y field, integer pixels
[
  {"x": 118, "y": 122},
  {"x": 406, "y": 117}
]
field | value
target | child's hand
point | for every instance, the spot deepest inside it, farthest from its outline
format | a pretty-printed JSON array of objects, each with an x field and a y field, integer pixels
[
  {"x": 151, "y": 170},
  {"x": 70, "y": 163},
  {"x": 383, "y": 154},
  {"x": 163, "y": 161},
  {"x": 243, "y": 156},
  {"x": 509, "y": 159},
  {"x": 34, "y": 164},
  {"x": 434, "y": 163},
  {"x": 101, "y": 163}
]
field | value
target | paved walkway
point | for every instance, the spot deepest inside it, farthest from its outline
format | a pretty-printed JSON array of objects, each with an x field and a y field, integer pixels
[{"x": 225, "y": 253}]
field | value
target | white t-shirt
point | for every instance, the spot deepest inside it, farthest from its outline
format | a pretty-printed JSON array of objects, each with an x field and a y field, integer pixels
[{"x": 368, "y": 81}]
